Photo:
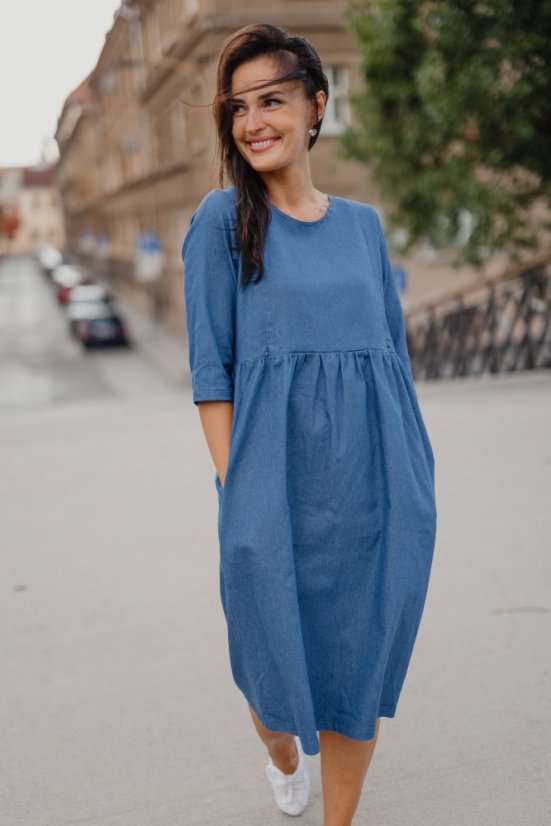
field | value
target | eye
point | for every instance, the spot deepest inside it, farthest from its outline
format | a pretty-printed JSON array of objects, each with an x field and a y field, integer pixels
[{"x": 274, "y": 100}]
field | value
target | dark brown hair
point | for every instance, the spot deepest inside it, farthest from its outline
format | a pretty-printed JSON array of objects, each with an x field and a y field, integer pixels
[{"x": 296, "y": 59}]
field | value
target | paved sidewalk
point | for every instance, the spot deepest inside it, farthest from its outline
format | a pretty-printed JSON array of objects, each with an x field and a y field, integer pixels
[{"x": 117, "y": 704}]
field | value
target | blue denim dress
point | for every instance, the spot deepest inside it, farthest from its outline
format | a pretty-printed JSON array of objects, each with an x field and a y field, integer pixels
[{"x": 327, "y": 516}]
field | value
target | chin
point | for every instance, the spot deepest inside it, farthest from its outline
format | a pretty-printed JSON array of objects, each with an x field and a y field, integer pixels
[{"x": 265, "y": 163}]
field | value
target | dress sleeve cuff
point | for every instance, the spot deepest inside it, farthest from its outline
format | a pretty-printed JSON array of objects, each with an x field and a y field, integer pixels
[{"x": 213, "y": 394}]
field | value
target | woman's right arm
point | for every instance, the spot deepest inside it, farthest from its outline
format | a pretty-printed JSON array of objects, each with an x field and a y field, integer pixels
[
  {"x": 216, "y": 420},
  {"x": 210, "y": 289}
]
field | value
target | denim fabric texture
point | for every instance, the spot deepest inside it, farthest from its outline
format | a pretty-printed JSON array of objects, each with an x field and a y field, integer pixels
[{"x": 327, "y": 516}]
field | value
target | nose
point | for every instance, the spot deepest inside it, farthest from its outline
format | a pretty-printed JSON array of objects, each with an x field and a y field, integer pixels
[{"x": 254, "y": 121}]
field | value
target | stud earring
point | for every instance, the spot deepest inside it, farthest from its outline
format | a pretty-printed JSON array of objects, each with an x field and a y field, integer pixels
[{"x": 313, "y": 131}]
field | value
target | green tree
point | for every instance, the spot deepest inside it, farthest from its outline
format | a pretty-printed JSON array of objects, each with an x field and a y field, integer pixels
[{"x": 454, "y": 119}]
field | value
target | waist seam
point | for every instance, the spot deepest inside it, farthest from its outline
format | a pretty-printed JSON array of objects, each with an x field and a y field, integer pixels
[{"x": 386, "y": 349}]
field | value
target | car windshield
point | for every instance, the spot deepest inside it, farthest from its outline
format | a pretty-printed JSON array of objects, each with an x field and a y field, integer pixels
[
  {"x": 90, "y": 299},
  {"x": 103, "y": 314}
]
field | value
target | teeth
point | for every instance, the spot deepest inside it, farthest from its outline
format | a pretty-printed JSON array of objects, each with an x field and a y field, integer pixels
[{"x": 264, "y": 143}]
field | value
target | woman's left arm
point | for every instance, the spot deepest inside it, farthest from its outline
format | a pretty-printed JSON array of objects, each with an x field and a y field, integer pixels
[{"x": 393, "y": 306}]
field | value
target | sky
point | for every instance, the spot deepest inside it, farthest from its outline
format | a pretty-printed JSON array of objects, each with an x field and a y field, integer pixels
[{"x": 47, "y": 47}]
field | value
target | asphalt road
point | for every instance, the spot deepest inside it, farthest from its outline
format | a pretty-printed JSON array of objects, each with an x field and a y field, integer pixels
[
  {"x": 42, "y": 367},
  {"x": 117, "y": 705}
]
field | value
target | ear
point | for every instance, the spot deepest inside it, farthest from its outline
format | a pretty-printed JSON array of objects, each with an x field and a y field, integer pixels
[{"x": 321, "y": 100}]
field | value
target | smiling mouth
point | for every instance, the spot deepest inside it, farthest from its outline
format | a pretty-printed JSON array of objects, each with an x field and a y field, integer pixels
[{"x": 263, "y": 144}]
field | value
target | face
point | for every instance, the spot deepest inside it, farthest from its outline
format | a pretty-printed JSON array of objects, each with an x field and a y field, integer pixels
[{"x": 270, "y": 125}]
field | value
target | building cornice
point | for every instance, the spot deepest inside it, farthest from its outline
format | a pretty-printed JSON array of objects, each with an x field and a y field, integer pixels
[
  {"x": 135, "y": 186},
  {"x": 226, "y": 23}
]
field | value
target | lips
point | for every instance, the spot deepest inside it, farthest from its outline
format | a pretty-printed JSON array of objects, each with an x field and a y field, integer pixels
[{"x": 264, "y": 143}]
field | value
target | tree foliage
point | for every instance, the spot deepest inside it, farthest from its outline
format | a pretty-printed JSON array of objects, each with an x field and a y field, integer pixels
[{"x": 454, "y": 118}]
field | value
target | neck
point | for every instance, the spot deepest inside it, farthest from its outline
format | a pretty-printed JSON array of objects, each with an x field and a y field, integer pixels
[{"x": 292, "y": 188}]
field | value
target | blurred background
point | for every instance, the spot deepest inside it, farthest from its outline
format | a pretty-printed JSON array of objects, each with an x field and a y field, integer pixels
[{"x": 114, "y": 650}]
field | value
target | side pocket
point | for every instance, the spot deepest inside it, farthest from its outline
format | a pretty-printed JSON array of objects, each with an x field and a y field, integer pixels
[
  {"x": 220, "y": 492},
  {"x": 218, "y": 483}
]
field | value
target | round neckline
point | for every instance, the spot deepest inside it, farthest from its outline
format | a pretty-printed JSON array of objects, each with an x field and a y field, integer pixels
[{"x": 299, "y": 221}]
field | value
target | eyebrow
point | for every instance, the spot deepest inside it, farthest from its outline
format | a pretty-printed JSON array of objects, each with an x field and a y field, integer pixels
[{"x": 261, "y": 97}]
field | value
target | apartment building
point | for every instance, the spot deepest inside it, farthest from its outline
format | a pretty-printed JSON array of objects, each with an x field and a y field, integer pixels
[
  {"x": 77, "y": 172},
  {"x": 31, "y": 208}
]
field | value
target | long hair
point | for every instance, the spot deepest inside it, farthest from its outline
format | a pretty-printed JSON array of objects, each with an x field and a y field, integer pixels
[{"x": 296, "y": 59}]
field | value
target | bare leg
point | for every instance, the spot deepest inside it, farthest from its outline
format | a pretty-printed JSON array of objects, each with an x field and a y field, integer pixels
[
  {"x": 344, "y": 765},
  {"x": 280, "y": 744}
]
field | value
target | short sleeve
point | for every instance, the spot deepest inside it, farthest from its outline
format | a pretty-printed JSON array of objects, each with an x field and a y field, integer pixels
[
  {"x": 210, "y": 288},
  {"x": 393, "y": 306}
]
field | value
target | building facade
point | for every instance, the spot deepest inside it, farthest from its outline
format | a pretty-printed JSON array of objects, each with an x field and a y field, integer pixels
[
  {"x": 30, "y": 208},
  {"x": 77, "y": 171}
]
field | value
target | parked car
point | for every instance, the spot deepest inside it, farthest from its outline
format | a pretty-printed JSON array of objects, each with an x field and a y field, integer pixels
[
  {"x": 48, "y": 257},
  {"x": 103, "y": 327},
  {"x": 84, "y": 301},
  {"x": 67, "y": 276}
]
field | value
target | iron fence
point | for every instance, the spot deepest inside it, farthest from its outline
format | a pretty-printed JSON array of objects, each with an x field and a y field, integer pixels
[{"x": 497, "y": 326}]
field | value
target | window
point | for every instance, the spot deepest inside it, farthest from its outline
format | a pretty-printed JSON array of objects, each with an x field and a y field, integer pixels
[
  {"x": 337, "y": 111},
  {"x": 152, "y": 39},
  {"x": 169, "y": 133},
  {"x": 169, "y": 23}
]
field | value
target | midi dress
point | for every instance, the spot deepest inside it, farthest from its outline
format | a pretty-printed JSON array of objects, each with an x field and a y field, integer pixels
[{"x": 327, "y": 516}]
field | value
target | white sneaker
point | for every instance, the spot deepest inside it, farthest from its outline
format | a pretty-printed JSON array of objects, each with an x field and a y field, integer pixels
[{"x": 291, "y": 791}]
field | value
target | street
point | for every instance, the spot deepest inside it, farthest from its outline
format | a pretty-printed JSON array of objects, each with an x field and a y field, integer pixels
[
  {"x": 42, "y": 367},
  {"x": 117, "y": 704}
]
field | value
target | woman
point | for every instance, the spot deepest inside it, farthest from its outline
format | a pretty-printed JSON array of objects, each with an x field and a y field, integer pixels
[{"x": 324, "y": 469}]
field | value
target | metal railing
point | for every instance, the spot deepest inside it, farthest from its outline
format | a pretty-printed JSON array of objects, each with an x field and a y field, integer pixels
[{"x": 497, "y": 326}]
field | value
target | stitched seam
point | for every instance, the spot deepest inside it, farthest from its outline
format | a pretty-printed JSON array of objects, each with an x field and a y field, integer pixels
[{"x": 315, "y": 353}]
